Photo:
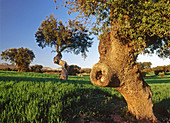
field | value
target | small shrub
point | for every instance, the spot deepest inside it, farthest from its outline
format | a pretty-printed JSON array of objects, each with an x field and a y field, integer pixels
[
  {"x": 159, "y": 69},
  {"x": 36, "y": 68},
  {"x": 6, "y": 69},
  {"x": 156, "y": 72},
  {"x": 74, "y": 69},
  {"x": 161, "y": 74}
]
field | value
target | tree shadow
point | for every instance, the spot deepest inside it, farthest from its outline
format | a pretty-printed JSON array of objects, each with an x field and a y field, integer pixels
[
  {"x": 21, "y": 78},
  {"x": 95, "y": 104},
  {"x": 156, "y": 81},
  {"x": 167, "y": 73},
  {"x": 161, "y": 110},
  {"x": 41, "y": 79}
]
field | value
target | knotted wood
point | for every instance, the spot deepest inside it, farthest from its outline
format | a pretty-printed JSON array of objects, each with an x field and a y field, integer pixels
[
  {"x": 117, "y": 69},
  {"x": 64, "y": 66}
]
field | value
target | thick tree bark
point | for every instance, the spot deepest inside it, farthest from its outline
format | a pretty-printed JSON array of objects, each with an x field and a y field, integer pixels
[
  {"x": 19, "y": 68},
  {"x": 117, "y": 69},
  {"x": 65, "y": 68}
]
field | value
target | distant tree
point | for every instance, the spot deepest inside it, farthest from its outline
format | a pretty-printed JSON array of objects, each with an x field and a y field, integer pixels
[
  {"x": 159, "y": 69},
  {"x": 85, "y": 70},
  {"x": 6, "y": 69},
  {"x": 144, "y": 65},
  {"x": 147, "y": 65},
  {"x": 71, "y": 38},
  {"x": 21, "y": 57},
  {"x": 74, "y": 69},
  {"x": 167, "y": 68},
  {"x": 36, "y": 68},
  {"x": 126, "y": 28}
]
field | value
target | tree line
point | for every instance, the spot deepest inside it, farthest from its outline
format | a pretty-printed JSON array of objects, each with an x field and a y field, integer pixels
[
  {"x": 73, "y": 70},
  {"x": 145, "y": 67}
]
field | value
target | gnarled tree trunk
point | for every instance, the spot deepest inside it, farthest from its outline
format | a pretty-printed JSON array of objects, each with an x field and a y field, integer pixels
[
  {"x": 65, "y": 67},
  {"x": 117, "y": 69}
]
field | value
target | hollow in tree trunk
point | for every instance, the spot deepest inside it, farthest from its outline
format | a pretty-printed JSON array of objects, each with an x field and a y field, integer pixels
[
  {"x": 64, "y": 66},
  {"x": 117, "y": 69}
]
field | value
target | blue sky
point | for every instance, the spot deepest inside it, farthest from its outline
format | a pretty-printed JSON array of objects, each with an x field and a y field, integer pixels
[{"x": 19, "y": 21}]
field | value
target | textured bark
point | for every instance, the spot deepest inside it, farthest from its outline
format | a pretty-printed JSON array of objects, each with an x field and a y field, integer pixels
[
  {"x": 65, "y": 68},
  {"x": 117, "y": 69}
]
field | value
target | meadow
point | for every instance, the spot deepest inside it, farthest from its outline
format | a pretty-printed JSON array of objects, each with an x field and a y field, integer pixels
[{"x": 38, "y": 97}]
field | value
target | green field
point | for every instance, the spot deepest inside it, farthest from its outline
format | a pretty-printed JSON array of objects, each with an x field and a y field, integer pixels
[{"x": 37, "y": 97}]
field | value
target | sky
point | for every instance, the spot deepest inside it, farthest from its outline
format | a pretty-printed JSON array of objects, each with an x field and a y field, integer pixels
[{"x": 19, "y": 21}]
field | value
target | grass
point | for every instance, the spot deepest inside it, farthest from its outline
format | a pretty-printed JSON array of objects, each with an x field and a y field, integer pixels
[
  {"x": 37, "y": 97},
  {"x": 160, "y": 87}
]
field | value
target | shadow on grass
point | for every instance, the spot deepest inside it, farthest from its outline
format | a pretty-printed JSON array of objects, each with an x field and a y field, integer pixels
[
  {"x": 161, "y": 110},
  {"x": 41, "y": 79},
  {"x": 21, "y": 78},
  {"x": 167, "y": 73},
  {"x": 156, "y": 81},
  {"x": 95, "y": 104}
]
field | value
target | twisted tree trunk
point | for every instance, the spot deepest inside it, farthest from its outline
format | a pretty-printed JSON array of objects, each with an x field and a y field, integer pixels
[
  {"x": 117, "y": 69},
  {"x": 65, "y": 67}
]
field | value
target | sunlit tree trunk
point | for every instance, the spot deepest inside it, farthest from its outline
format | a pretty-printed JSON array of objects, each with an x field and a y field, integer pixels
[
  {"x": 19, "y": 68},
  {"x": 65, "y": 68},
  {"x": 117, "y": 69}
]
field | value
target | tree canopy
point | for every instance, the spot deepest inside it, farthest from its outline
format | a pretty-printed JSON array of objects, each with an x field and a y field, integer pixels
[
  {"x": 71, "y": 38},
  {"x": 21, "y": 57},
  {"x": 143, "y": 24}
]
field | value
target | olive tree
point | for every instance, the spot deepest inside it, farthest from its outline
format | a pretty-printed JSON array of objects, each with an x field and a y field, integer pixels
[
  {"x": 126, "y": 28},
  {"x": 72, "y": 38},
  {"x": 22, "y": 57}
]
